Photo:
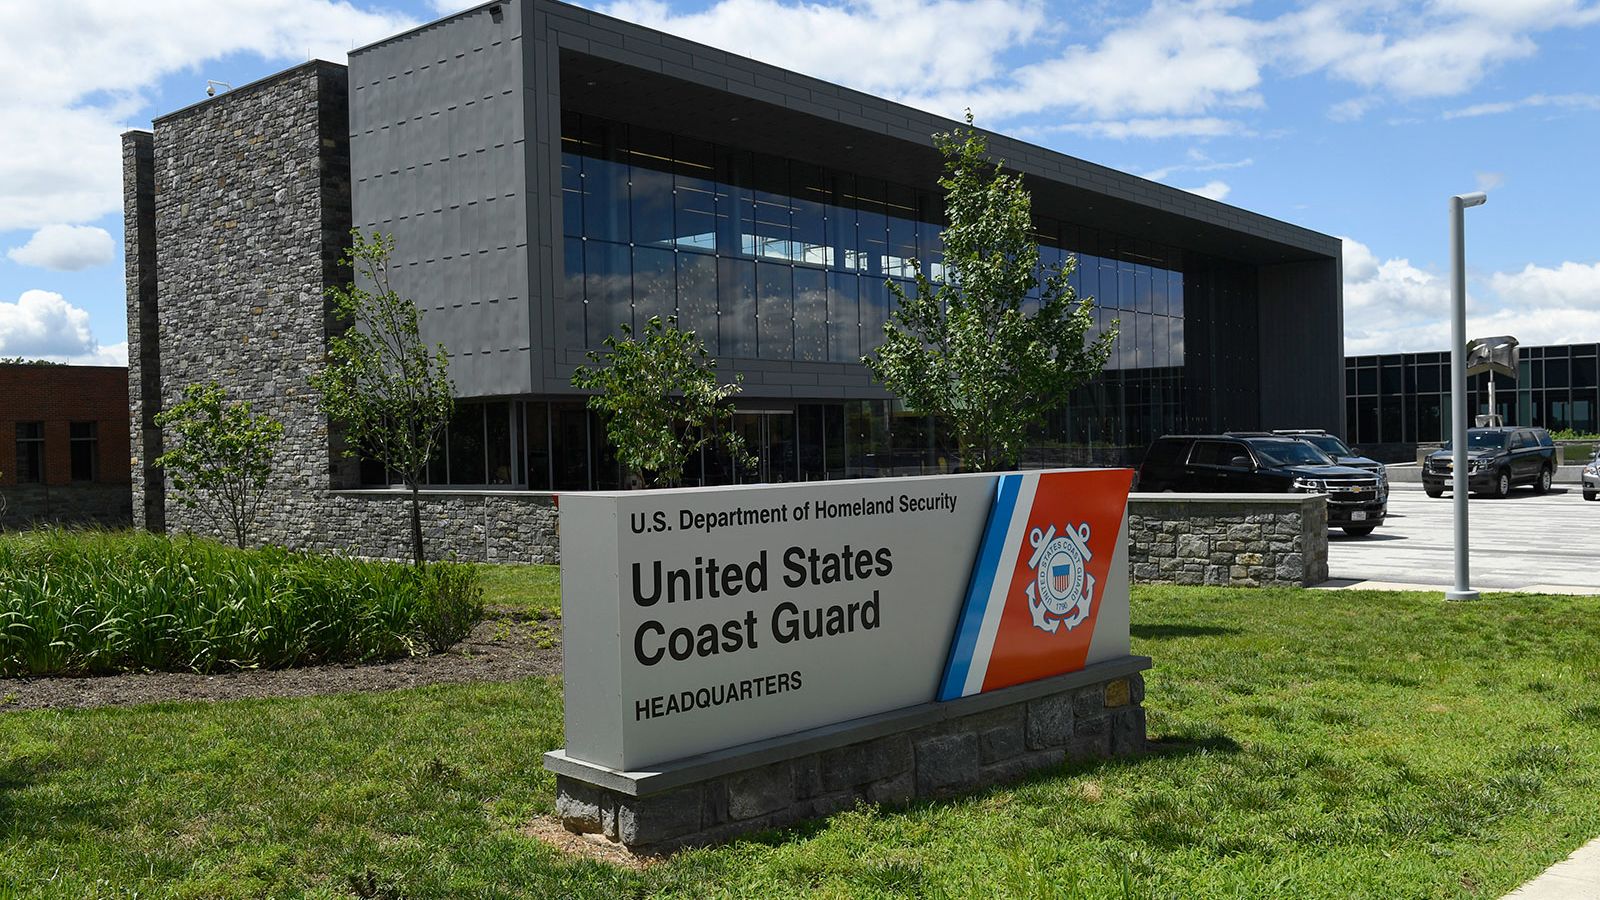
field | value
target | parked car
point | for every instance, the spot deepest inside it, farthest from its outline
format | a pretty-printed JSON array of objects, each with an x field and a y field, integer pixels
[
  {"x": 1342, "y": 453},
  {"x": 1498, "y": 460},
  {"x": 1591, "y": 478},
  {"x": 1264, "y": 464}
]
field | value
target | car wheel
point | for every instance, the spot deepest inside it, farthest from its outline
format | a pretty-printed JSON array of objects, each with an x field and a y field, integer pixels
[
  {"x": 1502, "y": 487},
  {"x": 1435, "y": 493},
  {"x": 1358, "y": 530},
  {"x": 1543, "y": 484},
  {"x": 1591, "y": 495}
]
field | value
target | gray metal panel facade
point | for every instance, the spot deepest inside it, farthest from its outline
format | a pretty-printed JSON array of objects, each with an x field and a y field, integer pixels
[
  {"x": 425, "y": 167},
  {"x": 1302, "y": 346},
  {"x": 437, "y": 146}
]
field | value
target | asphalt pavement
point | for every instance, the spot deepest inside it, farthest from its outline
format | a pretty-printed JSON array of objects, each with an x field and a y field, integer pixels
[{"x": 1549, "y": 543}]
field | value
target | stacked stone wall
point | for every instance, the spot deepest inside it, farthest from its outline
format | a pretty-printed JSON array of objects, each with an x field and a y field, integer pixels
[
  {"x": 144, "y": 357},
  {"x": 78, "y": 503},
  {"x": 251, "y": 213},
  {"x": 1220, "y": 540},
  {"x": 938, "y": 759}
]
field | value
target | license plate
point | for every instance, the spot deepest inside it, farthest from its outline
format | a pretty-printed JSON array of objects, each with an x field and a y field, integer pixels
[{"x": 1358, "y": 516}]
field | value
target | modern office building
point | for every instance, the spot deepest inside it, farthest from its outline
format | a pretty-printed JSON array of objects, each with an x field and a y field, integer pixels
[
  {"x": 550, "y": 174},
  {"x": 63, "y": 445},
  {"x": 1400, "y": 400}
]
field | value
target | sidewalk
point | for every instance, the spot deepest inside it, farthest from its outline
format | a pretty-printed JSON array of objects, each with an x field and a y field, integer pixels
[{"x": 1575, "y": 878}]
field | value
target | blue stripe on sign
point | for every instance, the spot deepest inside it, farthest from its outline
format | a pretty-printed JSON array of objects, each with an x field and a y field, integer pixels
[{"x": 979, "y": 587}]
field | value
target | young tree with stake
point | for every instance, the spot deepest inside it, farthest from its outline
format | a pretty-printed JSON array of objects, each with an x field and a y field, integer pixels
[
  {"x": 390, "y": 392},
  {"x": 221, "y": 460},
  {"x": 661, "y": 399},
  {"x": 963, "y": 348}
]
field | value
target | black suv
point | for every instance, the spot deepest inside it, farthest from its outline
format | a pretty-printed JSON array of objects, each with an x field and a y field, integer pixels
[
  {"x": 1264, "y": 464},
  {"x": 1341, "y": 453},
  {"x": 1498, "y": 459}
]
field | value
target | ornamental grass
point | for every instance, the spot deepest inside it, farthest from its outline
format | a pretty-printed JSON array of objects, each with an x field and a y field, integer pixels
[{"x": 94, "y": 602}]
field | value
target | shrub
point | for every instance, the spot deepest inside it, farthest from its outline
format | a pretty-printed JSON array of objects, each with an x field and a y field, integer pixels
[{"x": 99, "y": 602}]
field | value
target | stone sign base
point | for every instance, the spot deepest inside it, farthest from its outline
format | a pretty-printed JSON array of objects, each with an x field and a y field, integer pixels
[{"x": 932, "y": 750}]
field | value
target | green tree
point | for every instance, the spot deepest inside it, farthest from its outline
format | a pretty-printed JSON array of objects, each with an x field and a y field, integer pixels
[
  {"x": 661, "y": 400},
  {"x": 964, "y": 348},
  {"x": 221, "y": 460},
  {"x": 390, "y": 392}
]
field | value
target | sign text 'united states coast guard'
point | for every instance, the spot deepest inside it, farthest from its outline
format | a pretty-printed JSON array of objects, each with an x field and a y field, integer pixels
[{"x": 699, "y": 619}]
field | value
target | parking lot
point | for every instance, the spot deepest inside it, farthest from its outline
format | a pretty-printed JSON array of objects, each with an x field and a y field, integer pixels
[{"x": 1524, "y": 542}]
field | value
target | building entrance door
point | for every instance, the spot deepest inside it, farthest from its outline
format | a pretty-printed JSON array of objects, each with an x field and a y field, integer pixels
[{"x": 769, "y": 435}]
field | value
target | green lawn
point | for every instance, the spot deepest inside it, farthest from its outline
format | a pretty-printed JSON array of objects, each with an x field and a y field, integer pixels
[
  {"x": 1311, "y": 744},
  {"x": 531, "y": 589}
]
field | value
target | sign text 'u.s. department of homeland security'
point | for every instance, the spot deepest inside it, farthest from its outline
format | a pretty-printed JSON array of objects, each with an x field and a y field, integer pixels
[{"x": 699, "y": 619}]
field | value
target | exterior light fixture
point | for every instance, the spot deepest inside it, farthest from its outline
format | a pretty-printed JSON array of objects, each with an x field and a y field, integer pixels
[{"x": 1458, "y": 384}]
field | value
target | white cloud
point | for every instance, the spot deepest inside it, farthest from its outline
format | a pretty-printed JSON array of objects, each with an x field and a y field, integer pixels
[
  {"x": 43, "y": 325},
  {"x": 889, "y": 47},
  {"x": 1393, "y": 306},
  {"x": 1590, "y": 102},
  {"x": 1176, "y": 69},
  {"x": 1569, "y": 285},
  {"x": 1352, "y": 109},
  {"x": 1439, "y": 62},
  {"x": 1196, "y": 161},
  {"x": 74, "y": 76},
  {"x": 1142, "y": 128},
  {"x": 1214, "y": 190},
  {"x": 65, "y": 248},
  {"x": 1488, "y": 181}
]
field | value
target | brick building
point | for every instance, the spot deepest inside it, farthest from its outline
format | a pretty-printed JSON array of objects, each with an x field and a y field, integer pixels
[{"x": 64, "y": 445}]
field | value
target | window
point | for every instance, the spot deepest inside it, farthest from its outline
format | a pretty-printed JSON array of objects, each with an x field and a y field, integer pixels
[
  {"x": 30, "y": 452},
  {"x": 1216, "y": 453},
  {"x": 85, "y": 447}
]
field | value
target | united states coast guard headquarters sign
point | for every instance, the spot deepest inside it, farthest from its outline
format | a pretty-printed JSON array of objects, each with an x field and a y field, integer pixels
[{"x": 699, "y": 619}]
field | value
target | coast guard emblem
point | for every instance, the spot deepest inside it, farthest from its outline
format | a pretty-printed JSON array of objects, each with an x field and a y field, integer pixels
[{"x": 1062, "y": 589}]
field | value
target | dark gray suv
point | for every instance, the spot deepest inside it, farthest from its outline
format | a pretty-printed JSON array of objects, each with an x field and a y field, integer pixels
[{"x": 1498, "y": 459}]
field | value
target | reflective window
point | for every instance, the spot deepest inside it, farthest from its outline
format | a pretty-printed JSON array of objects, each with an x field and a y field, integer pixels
[
  {"x": 655, "y": 289},
  {"x": 30, "y": 452},
  {"x": 697, "y": 297},
  {"x": 844, "y": 319},
  {"x": 775, "y": 310},
  {"x": 608, "y": 289},
  {"x": 736, "y": 295},
  {"x": 465, "y": 449},
  {"x": 810, "y": 314},
  {"x": 572, "y": 301},
  {"x": 84, "y": 440}
]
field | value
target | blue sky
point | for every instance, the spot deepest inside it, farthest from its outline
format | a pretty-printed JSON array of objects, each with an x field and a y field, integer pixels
[{"x": 1357, "y": 118}]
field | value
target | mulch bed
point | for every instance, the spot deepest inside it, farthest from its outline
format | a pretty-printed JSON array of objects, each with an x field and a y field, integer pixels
[{"x": 506, "y": 646}]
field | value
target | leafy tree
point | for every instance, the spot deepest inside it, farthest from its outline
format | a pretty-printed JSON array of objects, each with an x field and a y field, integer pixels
[
  {"x": 964, "y": 348},
  {"x": 389, "y": 391},
  {"x": 661, "y": 399},
  {"x": 221, "y": 460}
]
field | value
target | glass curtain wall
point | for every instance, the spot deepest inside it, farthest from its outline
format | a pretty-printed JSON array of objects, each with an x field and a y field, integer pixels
[
  {"x": 1404, "y": 398},
  {"x": 776, "y": 259}
]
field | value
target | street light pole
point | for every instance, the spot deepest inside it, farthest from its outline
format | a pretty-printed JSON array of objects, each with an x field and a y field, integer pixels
[{"x": 1458, "y": 384}]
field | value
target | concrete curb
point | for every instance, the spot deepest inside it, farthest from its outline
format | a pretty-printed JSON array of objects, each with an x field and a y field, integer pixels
[{"x": 1575, "y": 878}]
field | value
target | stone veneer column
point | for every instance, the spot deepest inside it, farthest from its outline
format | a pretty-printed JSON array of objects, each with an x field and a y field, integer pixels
[
  {"x": 252, "y": 212},
  {"x": 144, "y": 340}
]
